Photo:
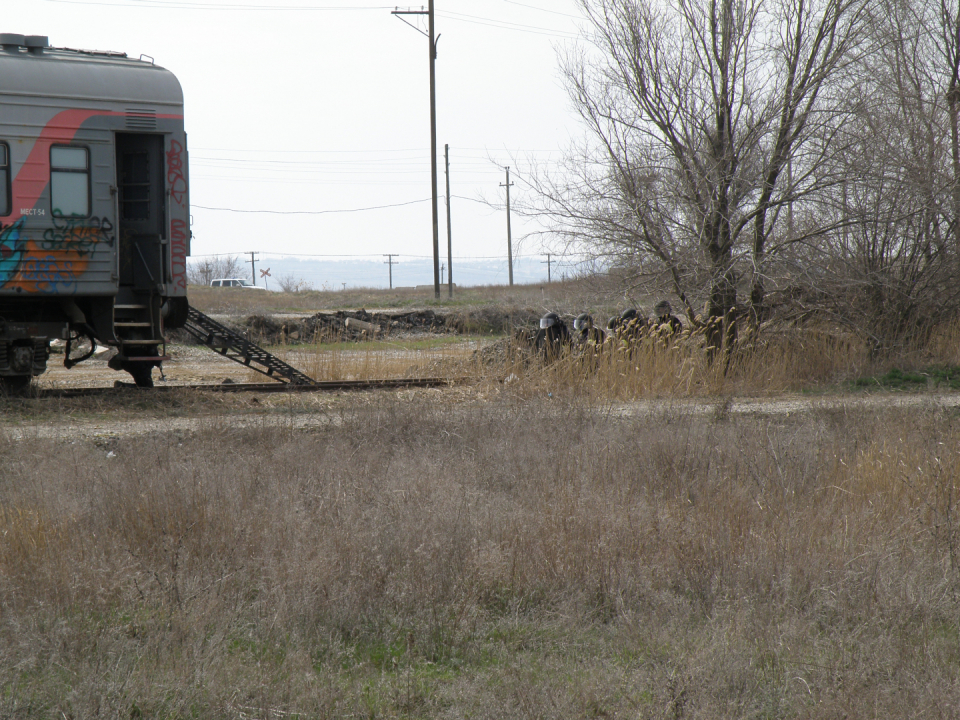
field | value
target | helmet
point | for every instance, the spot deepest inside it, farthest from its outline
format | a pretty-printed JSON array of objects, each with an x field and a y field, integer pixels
[
  {"x": 583, "y": 322},
  {"x": 628, "y": 314},
  {"x": 549, "y": 320},
  {"x": 662, "y": 308},
  {"x": 613, "y": 323}
]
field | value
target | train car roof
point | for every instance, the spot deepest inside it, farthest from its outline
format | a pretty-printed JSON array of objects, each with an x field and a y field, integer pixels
[{"x": 29, "y": 67}]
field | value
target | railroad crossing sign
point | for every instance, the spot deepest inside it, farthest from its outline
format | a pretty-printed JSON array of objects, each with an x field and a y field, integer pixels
[{"x": 265, "y": 274}]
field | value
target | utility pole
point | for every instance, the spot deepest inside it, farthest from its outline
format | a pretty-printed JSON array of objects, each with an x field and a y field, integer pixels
[
  {"x": 253, "y": 265},
  {"x": 442, "y": 267},
  {"x": 391, "y": 263},
  {"x": 446, "y": 158},
  {"x": 509, "y": 237},
  {"x": 433, "y": 133},
  {"x": 547, "y": 263}
]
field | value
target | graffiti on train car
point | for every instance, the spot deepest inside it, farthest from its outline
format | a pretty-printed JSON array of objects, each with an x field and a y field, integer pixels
[
  {"x": 178, "y": 252},
  {"x": 77, "y": 235},
  {"x": 55, "y": 259},
  {"x": 11, "y": 249},
  {"x": 48, "y": 275},
  {"x": 175, "y": 177}
]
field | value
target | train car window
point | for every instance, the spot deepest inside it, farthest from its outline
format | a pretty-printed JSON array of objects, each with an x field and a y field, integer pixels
[
  {"x": 69, "y": 181},
  {"x": 4, "y": 179}
]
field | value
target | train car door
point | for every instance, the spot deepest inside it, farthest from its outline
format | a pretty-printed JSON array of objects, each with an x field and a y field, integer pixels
[{"x": 142, "y": 212}]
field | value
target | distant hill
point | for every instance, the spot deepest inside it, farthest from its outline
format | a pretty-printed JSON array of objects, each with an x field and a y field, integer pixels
[{"x": 322, "y": 274}]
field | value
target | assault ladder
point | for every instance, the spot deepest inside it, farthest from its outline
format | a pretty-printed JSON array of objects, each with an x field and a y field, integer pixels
[{"x": 236, "y": 347}]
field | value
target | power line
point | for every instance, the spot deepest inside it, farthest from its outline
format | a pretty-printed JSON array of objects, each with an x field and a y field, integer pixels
[
  {"x": 396, "y": 164},
  {"x": 328, "y": 212},
  {"x": 360, "y": 256},
  {"x": 187, "y": 5},
  {"x": 378, "y": 151},
  {"x": 504, "y": 25},
  {"x": 479, "y": 176},
  {"x": 303, "y": 152},
  {"x": 308, "y": 181},
  {"x": 234, "y": 6},
  {"x": 308, "y": 212},
  {"x": 373, "y": 164},
  {"x": 540, "y": 9}
]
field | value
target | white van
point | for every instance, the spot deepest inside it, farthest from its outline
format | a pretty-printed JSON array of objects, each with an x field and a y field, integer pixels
[{"x": 234, "y": 282}]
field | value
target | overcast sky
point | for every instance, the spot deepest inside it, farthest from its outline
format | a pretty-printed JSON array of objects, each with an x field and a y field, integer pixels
[{"x": 322, "y": 106}]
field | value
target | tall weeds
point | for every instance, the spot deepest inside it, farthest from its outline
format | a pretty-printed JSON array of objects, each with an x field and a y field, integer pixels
[{"x": 678, "y": 367}]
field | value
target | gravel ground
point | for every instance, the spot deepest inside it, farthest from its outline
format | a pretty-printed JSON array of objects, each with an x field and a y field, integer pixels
[{"x": 187, "y": 365}]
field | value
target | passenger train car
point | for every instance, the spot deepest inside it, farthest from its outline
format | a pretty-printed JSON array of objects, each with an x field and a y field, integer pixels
[{"x": 94, "y": 207}]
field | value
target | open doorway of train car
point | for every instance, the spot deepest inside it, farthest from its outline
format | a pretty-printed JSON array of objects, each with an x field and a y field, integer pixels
[
  {"x": 140, "y": 185},
  {"x": 143, "y": 271}
]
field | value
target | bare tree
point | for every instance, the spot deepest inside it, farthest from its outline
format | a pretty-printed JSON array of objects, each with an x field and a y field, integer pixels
[
  {"x": 709, "y": 119},
  {"x": 891, "y": 264},
  {"x": 948, "y": 48},
  {"x": 201, "y": 272},
  {"x": 289, "y": 283}
]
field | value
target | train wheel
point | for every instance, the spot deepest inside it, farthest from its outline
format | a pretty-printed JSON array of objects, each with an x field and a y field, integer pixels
[{"x": 175, "y": 311}]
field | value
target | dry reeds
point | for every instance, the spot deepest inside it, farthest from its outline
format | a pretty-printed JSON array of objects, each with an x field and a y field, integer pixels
[
  {"x": 660, "y": 367},
  {"x": 651, "y": 367}
]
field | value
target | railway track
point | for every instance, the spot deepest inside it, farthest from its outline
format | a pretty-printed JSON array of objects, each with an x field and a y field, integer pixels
[{"x": 272, "y": 387}]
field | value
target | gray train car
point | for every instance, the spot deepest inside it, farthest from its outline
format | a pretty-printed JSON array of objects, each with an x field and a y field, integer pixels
[{"x": 94, "y": 207}]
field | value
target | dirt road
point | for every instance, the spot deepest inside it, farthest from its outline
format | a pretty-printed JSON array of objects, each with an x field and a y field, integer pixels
[{"x": 312, "y": 410}]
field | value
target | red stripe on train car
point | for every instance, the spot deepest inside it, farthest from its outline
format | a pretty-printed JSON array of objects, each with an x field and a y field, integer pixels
[{"x": 34, "y": 176}]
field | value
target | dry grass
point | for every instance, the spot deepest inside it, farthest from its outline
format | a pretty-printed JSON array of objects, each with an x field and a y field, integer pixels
[
  {"x": 783, "y": 362},
  {"x": 530, "y": 551},
  {"x": 381, "y": 360},
  {"x": 496, "y": 560}
]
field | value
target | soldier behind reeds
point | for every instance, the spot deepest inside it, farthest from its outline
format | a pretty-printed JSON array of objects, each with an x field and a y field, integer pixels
[
  {"x": 587, "y": 333},
  {"x": 613, "y": 327},
  {"x": 589, "y": 340},
  {"x": 633, "y": 326},
  {"x": 665, "y": 323},
  {"x": 627, "y": 330},
  {"x": 553, "y": 339}
]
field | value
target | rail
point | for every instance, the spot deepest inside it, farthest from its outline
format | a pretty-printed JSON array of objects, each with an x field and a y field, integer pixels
[{"x": 321, "y": 386}]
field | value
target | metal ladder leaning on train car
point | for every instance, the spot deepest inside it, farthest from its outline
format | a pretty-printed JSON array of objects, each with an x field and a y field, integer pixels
[{"x": 236, "y": 347}]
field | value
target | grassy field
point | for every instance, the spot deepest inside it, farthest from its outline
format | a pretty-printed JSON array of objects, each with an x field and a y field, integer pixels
[
  {"x": 504, "y": 559},
  {"x": 533, "y": 544}
]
